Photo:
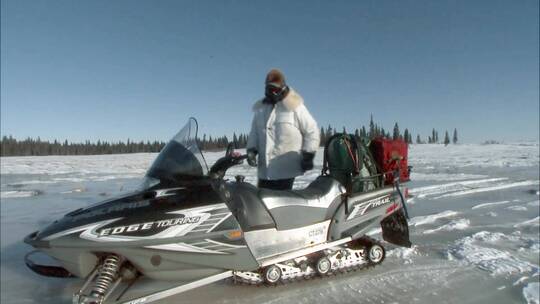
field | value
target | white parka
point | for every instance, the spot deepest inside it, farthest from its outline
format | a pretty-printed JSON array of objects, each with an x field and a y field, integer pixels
[{"x": 280, "y": 133}]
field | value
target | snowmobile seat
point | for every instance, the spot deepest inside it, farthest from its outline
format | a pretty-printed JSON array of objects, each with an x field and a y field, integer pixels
[
  {"x": 297, "y": 208},
  {"x": 248, "y": 208}
]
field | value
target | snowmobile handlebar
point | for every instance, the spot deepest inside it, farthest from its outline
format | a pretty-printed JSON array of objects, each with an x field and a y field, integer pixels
[{"x": 223, "y": 164}]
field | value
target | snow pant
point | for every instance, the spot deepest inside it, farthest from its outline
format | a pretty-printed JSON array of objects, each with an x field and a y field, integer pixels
[{"x": 276, "y": 184}]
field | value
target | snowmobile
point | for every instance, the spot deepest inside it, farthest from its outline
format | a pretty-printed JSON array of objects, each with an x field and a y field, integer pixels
[{"x": 188, "y": 223}]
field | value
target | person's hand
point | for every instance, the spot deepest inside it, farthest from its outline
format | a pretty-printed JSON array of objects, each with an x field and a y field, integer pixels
[
  {"x": 252, "y": 157},
  {"x": 307, "y": 160}
]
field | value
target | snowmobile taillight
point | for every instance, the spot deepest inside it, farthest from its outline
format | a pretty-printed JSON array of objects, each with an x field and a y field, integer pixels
[
  {"x": 234, "y": 235},
  {"x": 391, "y": 209}
]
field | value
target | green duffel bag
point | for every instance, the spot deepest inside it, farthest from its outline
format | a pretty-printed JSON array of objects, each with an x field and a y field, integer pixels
[{"x": 350, "y": 162}]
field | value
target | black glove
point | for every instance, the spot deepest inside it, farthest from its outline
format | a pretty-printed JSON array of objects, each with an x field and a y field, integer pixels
[
  {"x": 252, "y": 157},
  {"x": 307, "y": 160}
]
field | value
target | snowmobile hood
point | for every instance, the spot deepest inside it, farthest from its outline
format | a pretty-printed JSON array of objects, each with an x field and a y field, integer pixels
[
  {"x": 176, "y": 180},
  {"x": 132, "y": 209},
  {"x": 106, "y": 210}
]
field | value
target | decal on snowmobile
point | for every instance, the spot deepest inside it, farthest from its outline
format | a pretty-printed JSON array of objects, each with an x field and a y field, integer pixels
[
  {"x": 180, "y": 223},
  {"x": 133, "y": 228},
  {"x": 166, "y": 228},
  {"x": 183, "y": 247},
  {"x": 202, "y": 246},
  {"x": 168, "y": 192},
  {"x": 211, "y": 223},
  {"x": 78, "y": 215},
  {"x": 316, "y": 232},
  {"x": 84, "y": 228},
  {"x": 361, "y": 208}
]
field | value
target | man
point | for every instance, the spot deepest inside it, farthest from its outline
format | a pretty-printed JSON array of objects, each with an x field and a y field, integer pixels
[{"x": 283, "y": 135}]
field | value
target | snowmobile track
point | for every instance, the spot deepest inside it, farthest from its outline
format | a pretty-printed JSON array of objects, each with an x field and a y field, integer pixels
[{"x": 237, "y": 280}]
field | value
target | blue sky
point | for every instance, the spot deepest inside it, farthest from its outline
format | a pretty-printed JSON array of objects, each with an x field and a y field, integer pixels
[{"x": 138, "y": 69}]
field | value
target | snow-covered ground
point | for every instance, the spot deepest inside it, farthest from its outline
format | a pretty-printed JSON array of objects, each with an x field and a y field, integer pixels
[{"x": 474, "y": 225}]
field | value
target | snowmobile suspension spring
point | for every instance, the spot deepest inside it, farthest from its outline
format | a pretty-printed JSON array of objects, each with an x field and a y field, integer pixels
[{"x": 106, "y": 275}]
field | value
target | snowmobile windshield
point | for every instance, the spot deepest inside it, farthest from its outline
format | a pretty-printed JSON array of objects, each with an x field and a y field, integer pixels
[{"x": 180, "y": 160}]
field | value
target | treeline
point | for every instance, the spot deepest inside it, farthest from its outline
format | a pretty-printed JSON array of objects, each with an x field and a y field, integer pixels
[
  {"x": 37, "y": 147},
  {"x": 434, "y": 138},
  {"x": 220, "y": 143},
  {"x": 28, "y": 147},
  {"x": 374, "y": 131}
]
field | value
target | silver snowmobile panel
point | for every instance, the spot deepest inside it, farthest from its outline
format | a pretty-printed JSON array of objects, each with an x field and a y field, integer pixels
[
  {"x": 180, "y": 240},
  {"x": 268, "y": 242},
  {"x": 362, "y": 212}
]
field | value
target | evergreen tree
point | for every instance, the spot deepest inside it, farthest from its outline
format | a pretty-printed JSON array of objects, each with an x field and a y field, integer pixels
[
  {"x": 454, "y": 138},
  {"x": 446, "y": 139},
  {"x": 235, "y": 141},
  {"x": 418, "y": 140},
  {"x": 406, "y": 136},
  {"x": 243, "y": 140},
  {"x": 371, "y": 127},
  {"x": 396, "y": 132}
]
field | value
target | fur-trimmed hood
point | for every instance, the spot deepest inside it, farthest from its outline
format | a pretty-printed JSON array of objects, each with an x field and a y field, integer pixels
[{"x": 291, "y": 102}]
